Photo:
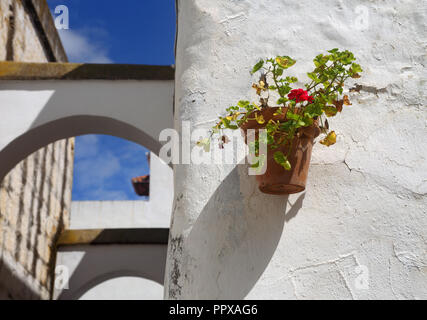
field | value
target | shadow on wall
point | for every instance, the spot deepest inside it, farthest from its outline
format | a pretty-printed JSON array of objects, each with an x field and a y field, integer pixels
[
  {"x": 100, "y": 263},
  {"x": 243, "y": 235},
  {"x": 12, "y": 287}
]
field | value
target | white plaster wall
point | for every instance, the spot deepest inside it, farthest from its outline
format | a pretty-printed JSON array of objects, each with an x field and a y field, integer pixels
[
  {"x": 365, "y": 206},
  {"x": 154, "y": 213},
  {"x": 114, "y": 215},
  {"x": 146, "y": 105}
]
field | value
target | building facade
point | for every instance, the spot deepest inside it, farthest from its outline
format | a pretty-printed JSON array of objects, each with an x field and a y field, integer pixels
[
  {"x": 35, "y": 196},
  {"x": 359, "y": 230}
]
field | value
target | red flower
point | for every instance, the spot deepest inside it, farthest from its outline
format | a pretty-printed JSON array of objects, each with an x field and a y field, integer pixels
[{"x": 300, "y": 95}]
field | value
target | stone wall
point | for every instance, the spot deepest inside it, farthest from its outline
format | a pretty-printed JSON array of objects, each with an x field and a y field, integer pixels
[
  {"x": 35, "y": 196},
  {"x": 359, "y": 230}
]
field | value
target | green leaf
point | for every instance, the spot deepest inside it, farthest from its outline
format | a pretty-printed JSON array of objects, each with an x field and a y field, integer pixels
[
  {"x": 287, "y": 126},
  {"x": 282, "y": 160},
  {"x": 278, "y": 72},
  {"x": 279, "y": 111},
  {"x": 291, "y": 79},
  {"x": 227, "y": 124},
  {"x": 356, "y": 68},
  {"x": 293, "y": 116},
  {"x": 259, "y": 118},
  {"x": 330, "y": 139},
  {"x": 283, "y": 91},
  {"x": 256, "y": 165},
  {"x": 282, "y": 100},
  {"x": 307, "y": 120},
  {"x": 300, "y": 124},
  {"x": 243, "y": 104},
  {"x": 270, "y": 127},
  {"x": 312, "y": 76},
  {"x": 258, "y": 66},
  {"x": 285, "y": 61},
  {"x": 330, "y": 111},
  {"x": 232, "y": 108},
  {"x": 313, "y": 110},
  {"x": 260, "y": 164}
]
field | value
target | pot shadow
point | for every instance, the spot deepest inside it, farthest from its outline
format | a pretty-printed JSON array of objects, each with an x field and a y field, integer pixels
[{"x": 235, "y": 237}]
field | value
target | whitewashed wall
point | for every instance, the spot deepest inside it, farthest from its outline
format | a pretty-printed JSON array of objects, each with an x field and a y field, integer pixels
[
  {"x": 365, "y": 208},
  {"x": 143, "y": 104}
]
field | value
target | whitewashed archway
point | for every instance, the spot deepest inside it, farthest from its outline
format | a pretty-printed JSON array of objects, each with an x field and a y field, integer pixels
[{"x": 42, "y": 103}]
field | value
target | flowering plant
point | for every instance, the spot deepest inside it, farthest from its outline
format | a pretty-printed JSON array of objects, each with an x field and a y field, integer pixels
[{"x": 322, "y": 98}]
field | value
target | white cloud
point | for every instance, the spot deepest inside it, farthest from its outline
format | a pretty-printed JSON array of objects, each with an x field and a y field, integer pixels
[
  {"x": 95, "y": 171},
  {"x": 86, "y": 146},
  {"x": 81, "y": 46},
  {"x": 104, "y": 167}
]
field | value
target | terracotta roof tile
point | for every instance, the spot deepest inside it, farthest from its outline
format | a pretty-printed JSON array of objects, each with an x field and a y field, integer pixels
[{"x": 141, "y": 185}]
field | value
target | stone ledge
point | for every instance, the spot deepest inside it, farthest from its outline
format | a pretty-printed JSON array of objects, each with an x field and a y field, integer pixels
[
  {"x": 78, "y": 71},
  {"x": 113, "y": 236}
]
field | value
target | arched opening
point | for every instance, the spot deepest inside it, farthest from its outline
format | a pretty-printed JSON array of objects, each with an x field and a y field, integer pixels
[
  {"x": 67, "y": 127},
  {"x": 107, "y": 168},
  {"x": 60, "y": 100},
  {"x": 40, "y": 113},
  {"x": 125, "y": 288},
  {"x": 113, "y": 214},
  {"x": 105, "y": 272}
]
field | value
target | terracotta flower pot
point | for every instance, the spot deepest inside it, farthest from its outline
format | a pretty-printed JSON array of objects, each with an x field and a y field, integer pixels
[{"x": 277, "y": 180}]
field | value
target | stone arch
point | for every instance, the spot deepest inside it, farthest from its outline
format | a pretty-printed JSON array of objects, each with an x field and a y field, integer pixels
[
  {"x": 67, "y": 127},
  {"x": 65, "y": 100},
  {"x": 95, "y": 266},
  {"x": 44, "y": 103},
  {"x": 86, "y": 287}
]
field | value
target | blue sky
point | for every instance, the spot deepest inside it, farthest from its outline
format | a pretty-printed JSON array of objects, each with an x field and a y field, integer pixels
[{"x": 129, "y": 32}]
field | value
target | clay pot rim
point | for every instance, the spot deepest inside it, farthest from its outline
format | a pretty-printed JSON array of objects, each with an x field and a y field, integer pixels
[
  {"x": 263, "y": 111},
  {"x": 253, "y": 124}
]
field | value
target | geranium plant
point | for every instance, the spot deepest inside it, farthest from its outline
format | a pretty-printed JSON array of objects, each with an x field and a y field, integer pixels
[{"x": 322, "y": 97}]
